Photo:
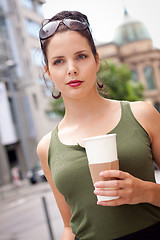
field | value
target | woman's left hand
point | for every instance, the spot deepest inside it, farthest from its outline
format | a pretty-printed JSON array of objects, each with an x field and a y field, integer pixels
[{"x": 129, "y": 189}]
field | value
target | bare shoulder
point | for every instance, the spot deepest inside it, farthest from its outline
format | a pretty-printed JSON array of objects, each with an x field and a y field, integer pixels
[
  {"x": 147, "y": 116},
  {"x": 144, "y": 109},
  {"x": 43, "y": 147}
]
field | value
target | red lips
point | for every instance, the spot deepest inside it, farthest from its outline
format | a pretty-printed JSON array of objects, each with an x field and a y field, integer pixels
[{"x": 74, "y": 83}]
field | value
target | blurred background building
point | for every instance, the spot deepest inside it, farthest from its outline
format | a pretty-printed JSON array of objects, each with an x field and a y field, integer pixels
[
  {"x": 24, "y": 98},
  {"x": 132, "y": 45}
]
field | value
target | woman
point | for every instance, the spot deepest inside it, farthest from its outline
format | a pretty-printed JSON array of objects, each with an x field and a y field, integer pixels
[{"x": 72, "y": 63}]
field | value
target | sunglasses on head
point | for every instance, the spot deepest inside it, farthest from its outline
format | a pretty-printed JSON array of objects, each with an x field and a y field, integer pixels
[{"x": 51, "y": 27}]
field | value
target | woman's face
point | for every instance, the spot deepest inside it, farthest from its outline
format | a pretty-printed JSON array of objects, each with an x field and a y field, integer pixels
[{"x": 71, "y": 64}]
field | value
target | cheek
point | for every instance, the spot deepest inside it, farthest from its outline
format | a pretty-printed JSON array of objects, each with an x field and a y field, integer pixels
[
  {"x": 91, "y": 69},
  {"x": 57, "y": 73},
  {"x": 58, "y": 78}
]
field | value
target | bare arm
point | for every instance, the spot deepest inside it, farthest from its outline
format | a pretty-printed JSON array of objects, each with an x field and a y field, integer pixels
[
  {"x": 42, "y": 151},
  {"x": 152, "y": 125},
  {"x": 132, "y": 190}
]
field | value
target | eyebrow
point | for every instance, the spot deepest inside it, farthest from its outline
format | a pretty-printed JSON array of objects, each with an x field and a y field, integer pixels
[
  {"x": 58, "y": 57},
  {"x": 74, "y": 54},
  {"x": 80, "y": 52}
]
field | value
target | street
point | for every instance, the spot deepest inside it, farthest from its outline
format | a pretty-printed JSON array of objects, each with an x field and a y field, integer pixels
[
  {"x": 24, "y": 218},
  {"x": 22, "y": 214}
]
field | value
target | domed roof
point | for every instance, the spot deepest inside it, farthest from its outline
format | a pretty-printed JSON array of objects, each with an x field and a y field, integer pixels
[{"x": 130, "y": 30}]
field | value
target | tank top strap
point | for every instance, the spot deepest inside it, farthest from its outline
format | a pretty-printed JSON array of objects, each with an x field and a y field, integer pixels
[
  {"x": 54, "y": 136},
  {"x": 53, "y": 144},
  {"x": 127, "y": 116},
  {"x": 126, "y": 111}
]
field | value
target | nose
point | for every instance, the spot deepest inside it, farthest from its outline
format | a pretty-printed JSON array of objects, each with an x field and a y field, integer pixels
[{"x": 72, "y": 69}]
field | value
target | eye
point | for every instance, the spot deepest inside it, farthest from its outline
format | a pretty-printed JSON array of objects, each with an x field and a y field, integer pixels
[
  {"x": 81, "y": 56},
  {"x": 58, "y": 61}
]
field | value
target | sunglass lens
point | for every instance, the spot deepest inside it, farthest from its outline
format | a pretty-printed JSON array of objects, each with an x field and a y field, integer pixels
[
  {"x": 75, "y": 25},
  {"x": 48, "y": 29}
]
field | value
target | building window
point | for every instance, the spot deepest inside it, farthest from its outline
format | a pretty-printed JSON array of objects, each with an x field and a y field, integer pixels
[
  {"x": 135, "y": 75},
  {"x": 157, "y": 106},
  {"x": 28, "y": 4},
  {"x": 37, "y": 57},
  {"x": 148, "y": 73},
  {"x": 34, "y": 96},
  {"x": 32, "y": 28},
  {"x": 12, "y": 110},
  {"x": 2, "y": 25},
  {"x": 39, "y": 9},
  {"x": 3, "y": 28}
]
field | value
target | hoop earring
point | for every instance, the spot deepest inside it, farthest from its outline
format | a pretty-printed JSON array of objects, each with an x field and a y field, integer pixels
[
  {"x": 56, "y": 96},
  {"x": 99, "y": 81}
]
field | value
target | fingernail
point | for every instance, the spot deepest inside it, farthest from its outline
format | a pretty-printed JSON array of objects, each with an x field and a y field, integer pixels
[
  {"x": 96, "y": 184},
  {"x": 101, "y": 174},
  {"x": 96, "y": 192}
]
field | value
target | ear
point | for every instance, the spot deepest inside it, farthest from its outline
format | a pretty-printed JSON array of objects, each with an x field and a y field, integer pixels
[
  {"x": 47, "y": 71},
  {"x": 97, "y": 62}
]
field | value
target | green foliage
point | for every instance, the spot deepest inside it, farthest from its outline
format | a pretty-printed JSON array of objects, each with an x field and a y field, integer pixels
[
  {"x": 57, "y": 106},
  {"x": 120, "y": 83},
  {"x": 119, "y": 86}
]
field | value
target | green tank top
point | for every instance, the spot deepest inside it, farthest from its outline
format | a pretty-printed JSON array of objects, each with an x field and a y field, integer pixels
[{"x": 70, "y": 171}]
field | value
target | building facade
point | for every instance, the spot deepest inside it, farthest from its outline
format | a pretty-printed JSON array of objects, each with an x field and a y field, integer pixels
[
  {"x": 132, "y": 45},
  {"x": 23, "y": 97}
]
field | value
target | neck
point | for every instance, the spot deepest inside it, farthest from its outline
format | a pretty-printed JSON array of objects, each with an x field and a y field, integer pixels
[{"x": 82, "y": 110}]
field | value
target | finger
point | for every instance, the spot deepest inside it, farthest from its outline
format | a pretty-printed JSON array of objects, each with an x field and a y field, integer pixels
[
  {"x": 114, "y": 173},
  {"x": 109, "y": 184},
  {"x": 114, "y": 202},
  {"x": 107, "y": 192}
]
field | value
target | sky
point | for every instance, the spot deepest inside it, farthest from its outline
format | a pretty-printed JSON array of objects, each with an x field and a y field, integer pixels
[{"x": 105, "y": 15}]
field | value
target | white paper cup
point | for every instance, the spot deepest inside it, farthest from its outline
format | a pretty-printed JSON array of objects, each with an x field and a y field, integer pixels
[{"x": 102, "y": 155}]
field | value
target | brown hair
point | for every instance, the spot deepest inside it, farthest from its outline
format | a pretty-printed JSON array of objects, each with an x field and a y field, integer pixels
[{"x": 75, "y": 15}]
